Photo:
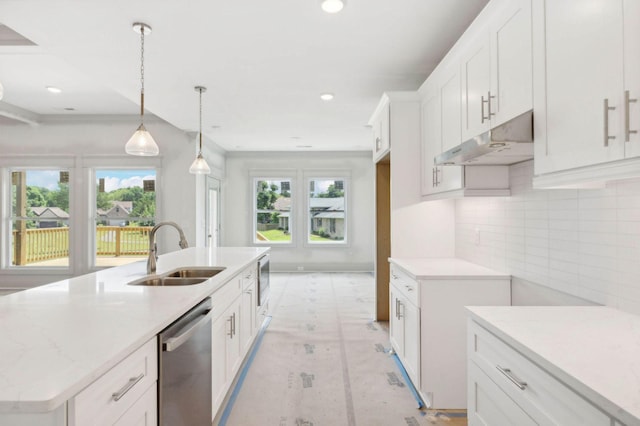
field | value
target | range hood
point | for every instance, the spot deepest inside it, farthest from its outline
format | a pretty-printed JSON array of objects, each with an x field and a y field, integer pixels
[{"x": 508, "y": 143}]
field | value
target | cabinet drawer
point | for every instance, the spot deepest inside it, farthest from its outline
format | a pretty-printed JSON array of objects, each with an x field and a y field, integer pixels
[
  {"x": 539, "y": 393},
  {"x": 406, "y": 285},
  {"x": 109, "y": 397},
  {"x": 249, "y": 276}
]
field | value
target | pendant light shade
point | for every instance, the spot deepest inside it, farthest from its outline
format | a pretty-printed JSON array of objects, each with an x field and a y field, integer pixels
[
  {"x": 199, "y": 165},
  {"x": 141, "y": 143}
]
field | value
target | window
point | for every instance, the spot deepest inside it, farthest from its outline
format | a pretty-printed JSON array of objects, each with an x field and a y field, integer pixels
[
  {"x": 39, "y": 218},
  {"x": 125, "y": 209},
  {"x": 327, "y": 216},
  {"x": 273, "y": 222}
]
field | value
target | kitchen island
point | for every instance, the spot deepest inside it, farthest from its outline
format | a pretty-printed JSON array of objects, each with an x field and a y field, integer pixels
[{"x": 57, "y": 339}]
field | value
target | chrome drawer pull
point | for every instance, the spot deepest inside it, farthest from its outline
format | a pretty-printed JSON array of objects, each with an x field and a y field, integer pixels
[
  {"x": 607, "y": 108},
  {"x": 126, "y": 388},
  {"x": 627, "y": 131},
  {"x": 507, "y": 373}
]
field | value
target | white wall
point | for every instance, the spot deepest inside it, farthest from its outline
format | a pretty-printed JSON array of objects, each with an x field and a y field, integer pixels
[
  {"x": 237, "y": 210},
  {"x": 99, "y": 138},
  {"x": 582, "y": 242}
]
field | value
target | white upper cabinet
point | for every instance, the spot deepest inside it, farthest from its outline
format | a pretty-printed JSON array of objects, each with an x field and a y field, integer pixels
[
  {"x": 632, "y": 78},
  {"x": 587, "y": 86},
  {"x": 496, "y": 67},
  {"x": 441, "y": 129},
  {"x": 380, "y": 125}
]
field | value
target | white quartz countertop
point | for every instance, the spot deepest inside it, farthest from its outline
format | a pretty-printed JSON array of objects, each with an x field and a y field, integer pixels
[
  {"x": 445, "y": 268},
  {"x": 58, "y": 338},
  {"x": 593, "y": 349}
]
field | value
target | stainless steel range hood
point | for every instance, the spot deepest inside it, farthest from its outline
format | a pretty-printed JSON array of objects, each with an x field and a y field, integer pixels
[{"x": 509, "y": 143}]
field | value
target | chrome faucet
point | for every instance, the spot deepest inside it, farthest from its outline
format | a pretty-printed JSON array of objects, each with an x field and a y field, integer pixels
[{"x": 153, "y": 247}]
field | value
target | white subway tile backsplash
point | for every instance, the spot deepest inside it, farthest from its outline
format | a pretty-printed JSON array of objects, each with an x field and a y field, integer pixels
[{"x": 585, "y": 242}]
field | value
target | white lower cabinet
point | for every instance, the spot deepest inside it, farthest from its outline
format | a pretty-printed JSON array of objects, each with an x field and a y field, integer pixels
[
  {"x": 233, "y": 332},
  {"x": 404, "y": 328},
  {"x": 427, "y": 326},
  {"x": 505, "y": 387},
  {"x": 125, "y": 395},
  {"x": 225, "y": 354}
]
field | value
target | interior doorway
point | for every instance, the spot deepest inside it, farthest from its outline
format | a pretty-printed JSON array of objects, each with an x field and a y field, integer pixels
[
  {"x": 383, "y": 237},
  {"x": 213, "y": 212}
]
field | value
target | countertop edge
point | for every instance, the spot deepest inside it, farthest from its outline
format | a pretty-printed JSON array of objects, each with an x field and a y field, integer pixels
[
  {"x": 595, "y": 398},
  {"x": 490, "y": 274}
]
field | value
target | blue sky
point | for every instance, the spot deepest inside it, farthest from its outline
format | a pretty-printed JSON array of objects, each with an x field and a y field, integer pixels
[{"x": 114, "y": 179}]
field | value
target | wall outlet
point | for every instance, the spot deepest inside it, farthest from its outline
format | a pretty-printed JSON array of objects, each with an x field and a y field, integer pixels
[{"x": 300, "y": 268}]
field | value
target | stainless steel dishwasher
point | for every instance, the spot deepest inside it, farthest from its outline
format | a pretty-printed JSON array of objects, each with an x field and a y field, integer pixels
[{"x": 184, "y": 388}]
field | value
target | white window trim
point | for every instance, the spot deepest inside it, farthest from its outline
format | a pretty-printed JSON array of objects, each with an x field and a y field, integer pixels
[
  {"x": 81, "y": 192},
  {"x": 327, "y": 174},
  {"x": 276, "y": 174}
]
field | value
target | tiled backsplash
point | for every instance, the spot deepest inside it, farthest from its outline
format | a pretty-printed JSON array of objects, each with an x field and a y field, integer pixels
[{"x": 585, "y": 242}]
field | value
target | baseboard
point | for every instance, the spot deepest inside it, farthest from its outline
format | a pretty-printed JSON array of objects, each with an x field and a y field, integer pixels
[{"x": 321, "y": 267}]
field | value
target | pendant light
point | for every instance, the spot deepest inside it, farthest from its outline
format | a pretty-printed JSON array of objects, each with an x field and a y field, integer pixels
[
  {"x": 200, "y": 166},
  {"x": 141, "y": 143}
]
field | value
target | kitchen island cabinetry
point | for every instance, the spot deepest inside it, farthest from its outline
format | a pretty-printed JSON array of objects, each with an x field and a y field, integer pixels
[
  {"x": 433, "y": 350},
  {"x": 98, "y": 362},
  {"x": 586, "y": 68},
  {"x": 542, "y": 365}
]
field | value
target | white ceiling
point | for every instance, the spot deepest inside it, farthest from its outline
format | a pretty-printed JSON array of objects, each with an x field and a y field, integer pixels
[{"x": 265, "y": 63}]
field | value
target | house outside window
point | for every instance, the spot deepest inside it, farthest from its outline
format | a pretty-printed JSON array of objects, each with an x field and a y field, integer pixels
[
  {"x": 40, "y": 218},
  {"x": 125, "y": 209},
  {"x": 273, "y": 211},
  {"x": 326, "y": 212}
]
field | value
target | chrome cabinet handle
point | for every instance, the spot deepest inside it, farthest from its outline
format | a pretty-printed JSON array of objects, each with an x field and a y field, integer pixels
[
  {"x": 507, "y": 372},
  {"x": 378, "y": 143},
  {"x": 234, "y": 323},
  {"x": 433, "y": 177},
  {"x": 437, "y": 180},
  {"x": 627, "y": 130},
  {"x": 488, "y": 102},
  {"x": 607, "y": 108},
  {"x": 116, "y": 396},
  {"x": 400, "y": 307},
  {"x": 230, "y": 333}
]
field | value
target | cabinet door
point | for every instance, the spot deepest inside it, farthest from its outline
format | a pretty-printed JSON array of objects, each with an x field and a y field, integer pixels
[
  {"x": 431, "y": 140},
  {"x": 144, "y": 412},
  {"x": 450, "y": 177},
  {"x": 411, "y": 318},
  {"x": 221, "y": 328},
  {"x": 247, "y": 317},
  {"x": 381, "y": 136},
  {"x": 234, "y": 343},
  {"x": 477, "y": 101},
  {"x": 511, "y": 61},
  {"x": 632, "y": 77},
  {"x": 488, "y": 405},
  {"x": 396, "y": 325},
  {"x": 582, "y": 61}
]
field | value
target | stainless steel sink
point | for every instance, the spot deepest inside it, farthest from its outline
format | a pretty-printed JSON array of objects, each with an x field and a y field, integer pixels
[
  {"x": 189, "y": 275},
  {"x": 159, "y": 281},
  {"x": 196, "y": 271}
]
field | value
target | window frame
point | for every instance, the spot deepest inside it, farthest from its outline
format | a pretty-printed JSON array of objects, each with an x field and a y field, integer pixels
[
  {"x": 273, "y": 175},
  {"x": 335, "y": 175},
  {"x": 32, "y": 163}
]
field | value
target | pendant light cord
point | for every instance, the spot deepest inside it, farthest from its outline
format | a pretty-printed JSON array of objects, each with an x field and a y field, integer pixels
[
  {"x": 200, "y": 150},
  {"x": 142, "y": 72}
]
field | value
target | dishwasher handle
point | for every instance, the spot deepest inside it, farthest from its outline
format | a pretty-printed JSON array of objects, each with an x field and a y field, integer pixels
[{"x": 173, "y": 343}]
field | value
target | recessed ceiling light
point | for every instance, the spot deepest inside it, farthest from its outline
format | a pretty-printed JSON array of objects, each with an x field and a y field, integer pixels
[
  {"x": 53, "y": 89},
  {"x": 69, "y": 109},
  {"x": 326, "y": 96},
  {"x": 304, "y": 146},
  {"x": 332, "y": 6}
]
